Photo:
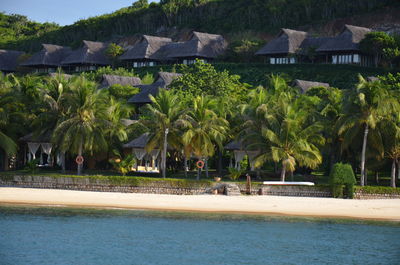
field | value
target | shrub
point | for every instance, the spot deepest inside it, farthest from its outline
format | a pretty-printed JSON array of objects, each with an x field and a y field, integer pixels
[
  {"x": 342, "y": 176},
  {"x": 234, "y": 173},
  {"x": 31, "y": 166}
]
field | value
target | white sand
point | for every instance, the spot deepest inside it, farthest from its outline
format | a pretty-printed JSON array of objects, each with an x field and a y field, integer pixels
[{"x": 301, "y": 206}]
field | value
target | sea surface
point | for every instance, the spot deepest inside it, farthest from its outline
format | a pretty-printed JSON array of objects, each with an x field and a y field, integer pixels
[{"x": 90, "y": 236}]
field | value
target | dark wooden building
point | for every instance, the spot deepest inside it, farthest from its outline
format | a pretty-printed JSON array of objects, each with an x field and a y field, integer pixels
[
  {"x": 48, "y": 59},
  {"x": 9, "y": 60},
  {"x": 87, "y": 58},
  {"x": 146, "y": 52}
]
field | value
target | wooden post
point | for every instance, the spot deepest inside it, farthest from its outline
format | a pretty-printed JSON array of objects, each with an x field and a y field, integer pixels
[{"x": 248, "y": 184}]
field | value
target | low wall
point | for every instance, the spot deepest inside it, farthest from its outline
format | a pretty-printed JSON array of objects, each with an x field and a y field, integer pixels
[
  {"x": 92, "y": 184},
  {"x": 133, "y": 185},
  {"x": 298, "y": 191},
  {"x": 372, "y": 196}
]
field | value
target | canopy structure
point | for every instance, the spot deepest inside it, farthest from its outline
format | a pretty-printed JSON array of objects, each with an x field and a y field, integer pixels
[
  {"x": 164, "y": 79},
  {"x": 138, "y": 147},
  {"x": 306, "y": 85},
  {"x": 240, "y": 152},
  {"x": 41, "y": 144},
  {"x": 9, "y": 60},
  {"x": 109, "y": 80}
]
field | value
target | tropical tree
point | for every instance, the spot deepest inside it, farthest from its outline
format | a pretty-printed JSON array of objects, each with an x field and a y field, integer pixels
[
  {"x": 363, "y": 107},
  {"x": 286, "y": 138},
  {"x": 204, "y": 129},
  {"x": 86, "y": 119},
  {"x": 161, "y": 120}
]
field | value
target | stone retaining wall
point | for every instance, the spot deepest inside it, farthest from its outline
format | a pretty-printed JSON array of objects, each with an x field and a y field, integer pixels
[
  {"x": 299, "y": 191},
  {"x": 373, "y": 196},
  {"x": 166, "y": 187},
  {"x": 91, "y": 184}
]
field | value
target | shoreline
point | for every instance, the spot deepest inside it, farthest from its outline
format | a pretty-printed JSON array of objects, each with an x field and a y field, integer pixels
[{"x": 378, "y": 210}]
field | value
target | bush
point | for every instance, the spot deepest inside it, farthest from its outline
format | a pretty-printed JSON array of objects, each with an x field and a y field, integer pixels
[{"x": 342, "y": 176}]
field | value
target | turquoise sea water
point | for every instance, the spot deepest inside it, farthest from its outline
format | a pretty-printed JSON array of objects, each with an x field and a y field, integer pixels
[{"x": 87, "y": 236}]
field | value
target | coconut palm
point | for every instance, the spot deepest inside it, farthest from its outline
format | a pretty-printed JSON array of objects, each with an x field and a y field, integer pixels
[
  {"x": 364, "y": 106},
  {"x": 291, "y": 140},
  {"x": 161, "y": 121},
  {"x": 204, "y": 129},
  {"x": 86, "y": 119}
]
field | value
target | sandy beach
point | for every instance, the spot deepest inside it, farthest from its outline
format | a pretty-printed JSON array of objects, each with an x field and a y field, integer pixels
[{"x": 276, "y": 205}]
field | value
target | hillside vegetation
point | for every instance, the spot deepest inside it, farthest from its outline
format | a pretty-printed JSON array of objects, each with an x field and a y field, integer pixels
[{"x": 227, "y": 17}]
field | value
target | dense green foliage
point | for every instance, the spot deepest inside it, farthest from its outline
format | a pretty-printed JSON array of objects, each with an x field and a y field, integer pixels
[
  {"x": 281, "y": 126},
  {"x": 342, "y": 175},
  {"x": 340, "y": 76},
  {"x": 377, "y": 190},
  {"x": 382, "y": 46},
  {"x": 215, "y": 16}
]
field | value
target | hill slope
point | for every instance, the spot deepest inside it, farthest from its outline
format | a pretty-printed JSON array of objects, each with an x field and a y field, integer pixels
[{"x": 228, "y": 17}]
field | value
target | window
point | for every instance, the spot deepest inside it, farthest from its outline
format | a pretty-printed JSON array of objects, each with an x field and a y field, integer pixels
[
  {"x": 185, "y": 61},
  {"x": 151, "y": 63},
  {"x": 292, "y": 60},
  {"x": 356, "y": 58},
  {"x": 334, "y": 59},
  {"x": 272, "y": 60},
  {"x": 135, "y": 64}
]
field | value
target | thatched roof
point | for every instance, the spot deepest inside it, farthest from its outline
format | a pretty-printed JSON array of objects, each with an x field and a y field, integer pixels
[
  {"x": 312, "y": 42},
  {"x": 306, "y": 85},
  {"x": 91, "y": 53},
  {"x": 147, "y": 48},
  {"x": 65, "y": 76},
  {"x": 202, "y": 45},
  {"x": 139, "y": 142},
  {"x": 163, "y": 80},
  {"x": 32, "y": 138},
  {"x": 9, "y": 60},
  {"x": 50, "y": 55},
  {"x": 288, "y": 41},
  {"x": 109, "y": 80},
  {"x": 347, "y": 40},
  {"x": 234, "y": 145}
]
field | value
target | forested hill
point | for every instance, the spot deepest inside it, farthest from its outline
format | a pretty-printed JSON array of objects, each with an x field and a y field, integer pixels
[{"x": 228, "y": 17}]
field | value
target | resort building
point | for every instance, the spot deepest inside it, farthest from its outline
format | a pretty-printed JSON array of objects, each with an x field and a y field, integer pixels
[
  {"x": 292, "y": 46},
  {"x": 163, "y": 80},
  {"x": 203, "y": 46},
  {"x": 87, "y": 58},
  {"x": 147, "y": 52},
  {"x": 9, "y": 60},
  {"x": 48, "y": 59},
  {"x": 109, "y": 80},
  {"x": 304, "y": 86},
  {"x": 344, "y": 49},
  {"x": 147, "y": 161}
]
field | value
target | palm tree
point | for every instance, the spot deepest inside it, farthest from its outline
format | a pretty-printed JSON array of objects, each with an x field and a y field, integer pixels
[
  {"x": 162, "y": 120},
  {"x": 363, "y": 108},
  {"x": 288, "y": 139},
  {"x": 86, "y": 119},
  {"x": 203, "y": 129}
]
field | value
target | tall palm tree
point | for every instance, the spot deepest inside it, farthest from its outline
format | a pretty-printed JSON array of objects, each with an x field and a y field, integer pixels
[
  {"x": 162, "y": 122},
  {"x": 204, "y": 129},
  {"x": 363, "y": 107},
  {"x": 83, "y": 128},
  {"x": 289, "y": 140}
]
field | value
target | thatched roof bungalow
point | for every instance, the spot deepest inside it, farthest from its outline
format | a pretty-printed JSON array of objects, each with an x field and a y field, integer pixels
[
  {"x": 306, "y": 85},
  {"x": 199, "y": 46},
  {"x": 290, "y": 46},
  {"x": 344, "y": 48},
  {"x": 109, "y": 80},
  {"x": 147, "y": 52},
  {"x": 9, "y": 60},
  {"x": 87, "y": 58},
  {"x": 48, "y": 59},
  {"x": 163, "y": 80}
]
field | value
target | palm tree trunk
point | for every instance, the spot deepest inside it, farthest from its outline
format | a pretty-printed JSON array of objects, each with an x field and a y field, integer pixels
[
  {"x": 206, "y": 166},
  {"x": 393, "y": 174},
  {"x": 364, "y": 147},
  {"x": 377, "y": 177},
  {"x": 185, "y": 164},
  {"x": 62, "y": 162},
  {"x": 80, "y": 166},
  {"x": 398, "y": 169},
  {"x": 164, "y": 155},
  {"x": 283, "y": 172}
]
